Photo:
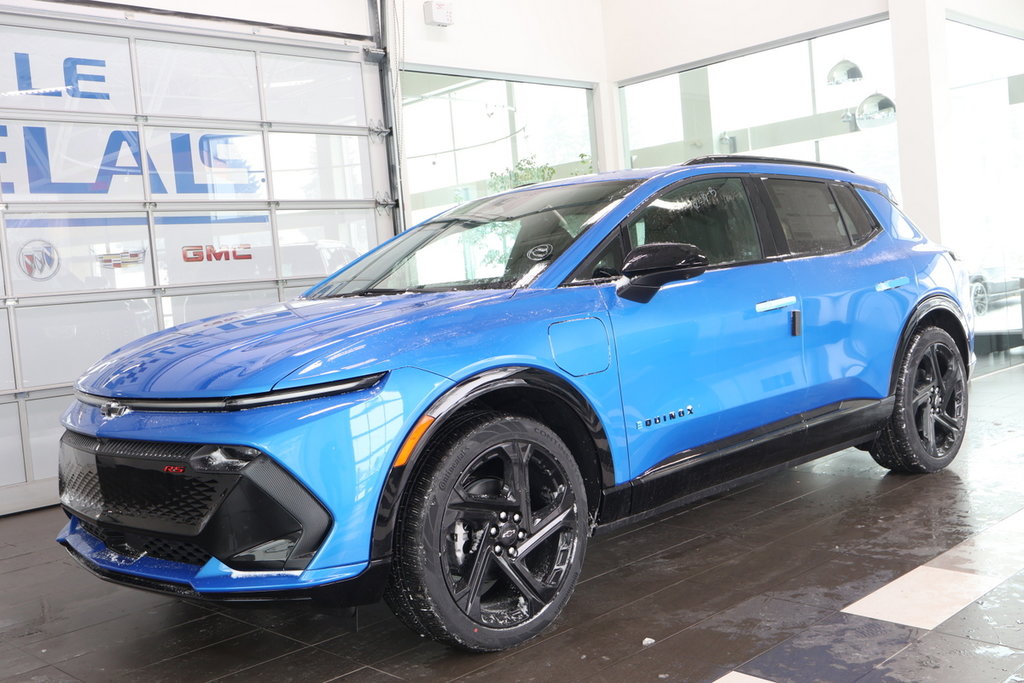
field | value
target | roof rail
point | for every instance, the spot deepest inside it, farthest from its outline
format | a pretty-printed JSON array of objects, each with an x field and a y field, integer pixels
[{"x": 744, "y": 158}]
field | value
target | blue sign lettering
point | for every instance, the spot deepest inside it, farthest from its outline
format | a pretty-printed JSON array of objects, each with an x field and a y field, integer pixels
[
  {"x": 72, "y": 78},
  {"x": 23, "y": 71},
  {"x": 5, "y": 187},
  {"x": 214, "y": 152},
  {"x": 109, "y": 167},
  {"x": 40, "y": 178}
]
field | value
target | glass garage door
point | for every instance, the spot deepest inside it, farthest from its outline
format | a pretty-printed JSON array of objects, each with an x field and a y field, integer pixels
[{"x": 147, "y": 179}]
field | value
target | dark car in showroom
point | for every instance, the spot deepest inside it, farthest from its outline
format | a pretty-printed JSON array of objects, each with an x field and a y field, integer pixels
[{"x": 995, "y": 283}]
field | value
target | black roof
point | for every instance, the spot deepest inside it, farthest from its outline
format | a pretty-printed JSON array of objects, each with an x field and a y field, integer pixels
[{"x": 744, "y": 158}]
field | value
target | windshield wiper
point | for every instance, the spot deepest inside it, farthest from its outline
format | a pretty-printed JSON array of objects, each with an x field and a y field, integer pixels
[
  {"x": 370, "y": 291},
  {"x": 476, "y": 220}
]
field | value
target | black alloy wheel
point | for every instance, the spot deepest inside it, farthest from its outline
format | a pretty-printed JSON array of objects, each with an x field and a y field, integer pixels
[
  {"x": 938, "y": 399},
  {"x": 508, "y": 534},
  {"x": 927, "y": 427},
  {"x": 494, "y": 536}
]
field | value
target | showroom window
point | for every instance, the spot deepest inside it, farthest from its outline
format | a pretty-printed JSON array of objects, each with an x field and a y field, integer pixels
[
  {"x": 981, "y": 214},
  {"x": 466, "y": 137},
  {"x": 147, "y": 181},
  {"x": 830, "y": 98}
]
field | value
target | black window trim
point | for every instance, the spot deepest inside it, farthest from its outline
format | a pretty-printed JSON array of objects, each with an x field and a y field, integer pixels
[
  {"x": 776, "y": 224},
  {"x": 617, "y": 233},
  {"x": 770, "y": 250}
]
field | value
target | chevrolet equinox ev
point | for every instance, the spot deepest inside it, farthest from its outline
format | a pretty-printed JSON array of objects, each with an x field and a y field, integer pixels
[{"x": 446, "y": 420}]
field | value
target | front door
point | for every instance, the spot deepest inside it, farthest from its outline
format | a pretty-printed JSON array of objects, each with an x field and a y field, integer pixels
[{"x": 713, "y": 356}]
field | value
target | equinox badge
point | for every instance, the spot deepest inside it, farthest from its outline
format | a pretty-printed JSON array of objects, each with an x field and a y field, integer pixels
[{"x": 674, "y": 415}]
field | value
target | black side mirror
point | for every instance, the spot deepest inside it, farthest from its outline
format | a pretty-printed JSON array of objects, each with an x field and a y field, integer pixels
[{"x": 650, "y": 266}]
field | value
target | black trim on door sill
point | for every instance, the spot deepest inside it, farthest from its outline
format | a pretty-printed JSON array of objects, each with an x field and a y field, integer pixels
[{"x": 722, "y": 465}]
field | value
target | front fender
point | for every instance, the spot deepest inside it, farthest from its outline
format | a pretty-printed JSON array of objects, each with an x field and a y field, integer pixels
[{"x": 447, "y": 406}]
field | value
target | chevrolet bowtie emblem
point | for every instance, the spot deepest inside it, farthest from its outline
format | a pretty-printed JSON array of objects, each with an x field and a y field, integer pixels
[{"x": 113, "y": 409}]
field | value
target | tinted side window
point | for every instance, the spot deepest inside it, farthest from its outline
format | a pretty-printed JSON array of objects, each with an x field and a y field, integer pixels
[
  {"x": 809, "y": 216},
  {"x": 712, "y": 214},
  {"x": 858, "y": 221}
]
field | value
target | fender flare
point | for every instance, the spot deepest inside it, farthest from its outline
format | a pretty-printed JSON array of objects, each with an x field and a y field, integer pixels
[
  {"x": 448, "y": 405},
  {"x": 927, "y": 306}
]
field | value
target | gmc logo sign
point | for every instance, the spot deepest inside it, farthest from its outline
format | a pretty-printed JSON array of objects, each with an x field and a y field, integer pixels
[{"x": 208, "y": 252}]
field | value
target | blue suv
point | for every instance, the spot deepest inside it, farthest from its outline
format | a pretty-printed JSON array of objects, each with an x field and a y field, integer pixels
[{"x": 445, "y": 421}]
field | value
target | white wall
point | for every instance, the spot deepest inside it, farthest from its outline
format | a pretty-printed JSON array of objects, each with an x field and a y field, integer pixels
[
  {"x": 648, "y": 36},
  {"x": 342, "y": 16},
  {"x": 919, "y": 65},
  {"x": 1006, "y": 16},
  {"x": 608, "y": 41},
  {"x": 559, "y": 40}
]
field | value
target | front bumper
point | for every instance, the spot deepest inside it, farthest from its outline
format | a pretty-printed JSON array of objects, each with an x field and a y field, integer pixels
[
  {"x": 160, "y": 499},
  {"x": 330, "y": 455},
  {"x": 361, "y": 584}
]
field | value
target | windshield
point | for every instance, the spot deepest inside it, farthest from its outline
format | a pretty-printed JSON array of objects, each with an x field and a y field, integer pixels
[{"x": 500, "y": 242}]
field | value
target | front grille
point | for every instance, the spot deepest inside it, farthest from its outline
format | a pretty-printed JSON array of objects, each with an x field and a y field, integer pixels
[
  {"x": 179, "y": 499},
  {"x": 129, "y": 448},
  {"x": 129, "y": 482},
  {"x": 136, "y": 545},
  {"x": 80, "y": 487},
  {"x": 157, "y": 499}
]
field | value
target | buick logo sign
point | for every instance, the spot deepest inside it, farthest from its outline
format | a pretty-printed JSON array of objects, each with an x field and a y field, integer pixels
[{"x": 39, "y": 259}]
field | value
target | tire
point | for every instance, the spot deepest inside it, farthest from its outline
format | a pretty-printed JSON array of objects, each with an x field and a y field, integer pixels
[
  {"x": 928, "y": 421},
  {"x": 492, "y": 536},
  {"x": 979, "y": 297}
]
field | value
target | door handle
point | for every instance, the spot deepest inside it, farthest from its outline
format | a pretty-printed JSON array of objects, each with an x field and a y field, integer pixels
[
  {"x": 774, "y": 304},
  {"x": 892, "y": 284}
]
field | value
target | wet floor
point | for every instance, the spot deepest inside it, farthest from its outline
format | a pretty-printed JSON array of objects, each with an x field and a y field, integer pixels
[{"x": 831, "y": 571}]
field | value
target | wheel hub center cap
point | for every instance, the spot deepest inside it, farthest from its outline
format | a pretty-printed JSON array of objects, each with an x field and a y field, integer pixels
[{"x": 507, "y": 533}]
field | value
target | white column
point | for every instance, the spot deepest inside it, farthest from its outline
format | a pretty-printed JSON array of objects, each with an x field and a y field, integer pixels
[
  {"x": 608, "y": 127},
  {"x": 922, "y": 111}
]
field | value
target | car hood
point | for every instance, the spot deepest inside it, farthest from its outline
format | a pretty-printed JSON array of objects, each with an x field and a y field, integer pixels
[{"x": 285, "y": 345}]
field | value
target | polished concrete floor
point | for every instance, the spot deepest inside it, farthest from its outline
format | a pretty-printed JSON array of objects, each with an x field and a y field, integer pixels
[{"x": 832, "y": 571}]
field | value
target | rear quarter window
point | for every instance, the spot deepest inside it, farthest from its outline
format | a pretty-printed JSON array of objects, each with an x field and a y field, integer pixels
[{"x": 859, "y": 223}]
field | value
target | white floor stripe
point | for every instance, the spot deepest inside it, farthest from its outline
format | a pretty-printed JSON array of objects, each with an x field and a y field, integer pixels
[
  {"x": 924, "y": 597},
  {"x": 927, "y": 596},
  {"x": 993, "y": 552},
  {"x": 737, "y": 677},
  {"x": 1014, "y": 522}
]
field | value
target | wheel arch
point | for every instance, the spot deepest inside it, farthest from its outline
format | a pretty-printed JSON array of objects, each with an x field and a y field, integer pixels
[
  {"x": 939, "y": 311},
  {"x": 528, "y": 391}
]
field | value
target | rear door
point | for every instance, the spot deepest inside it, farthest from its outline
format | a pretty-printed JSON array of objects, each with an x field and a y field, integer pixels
[{"x": 855, "y": 285}]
